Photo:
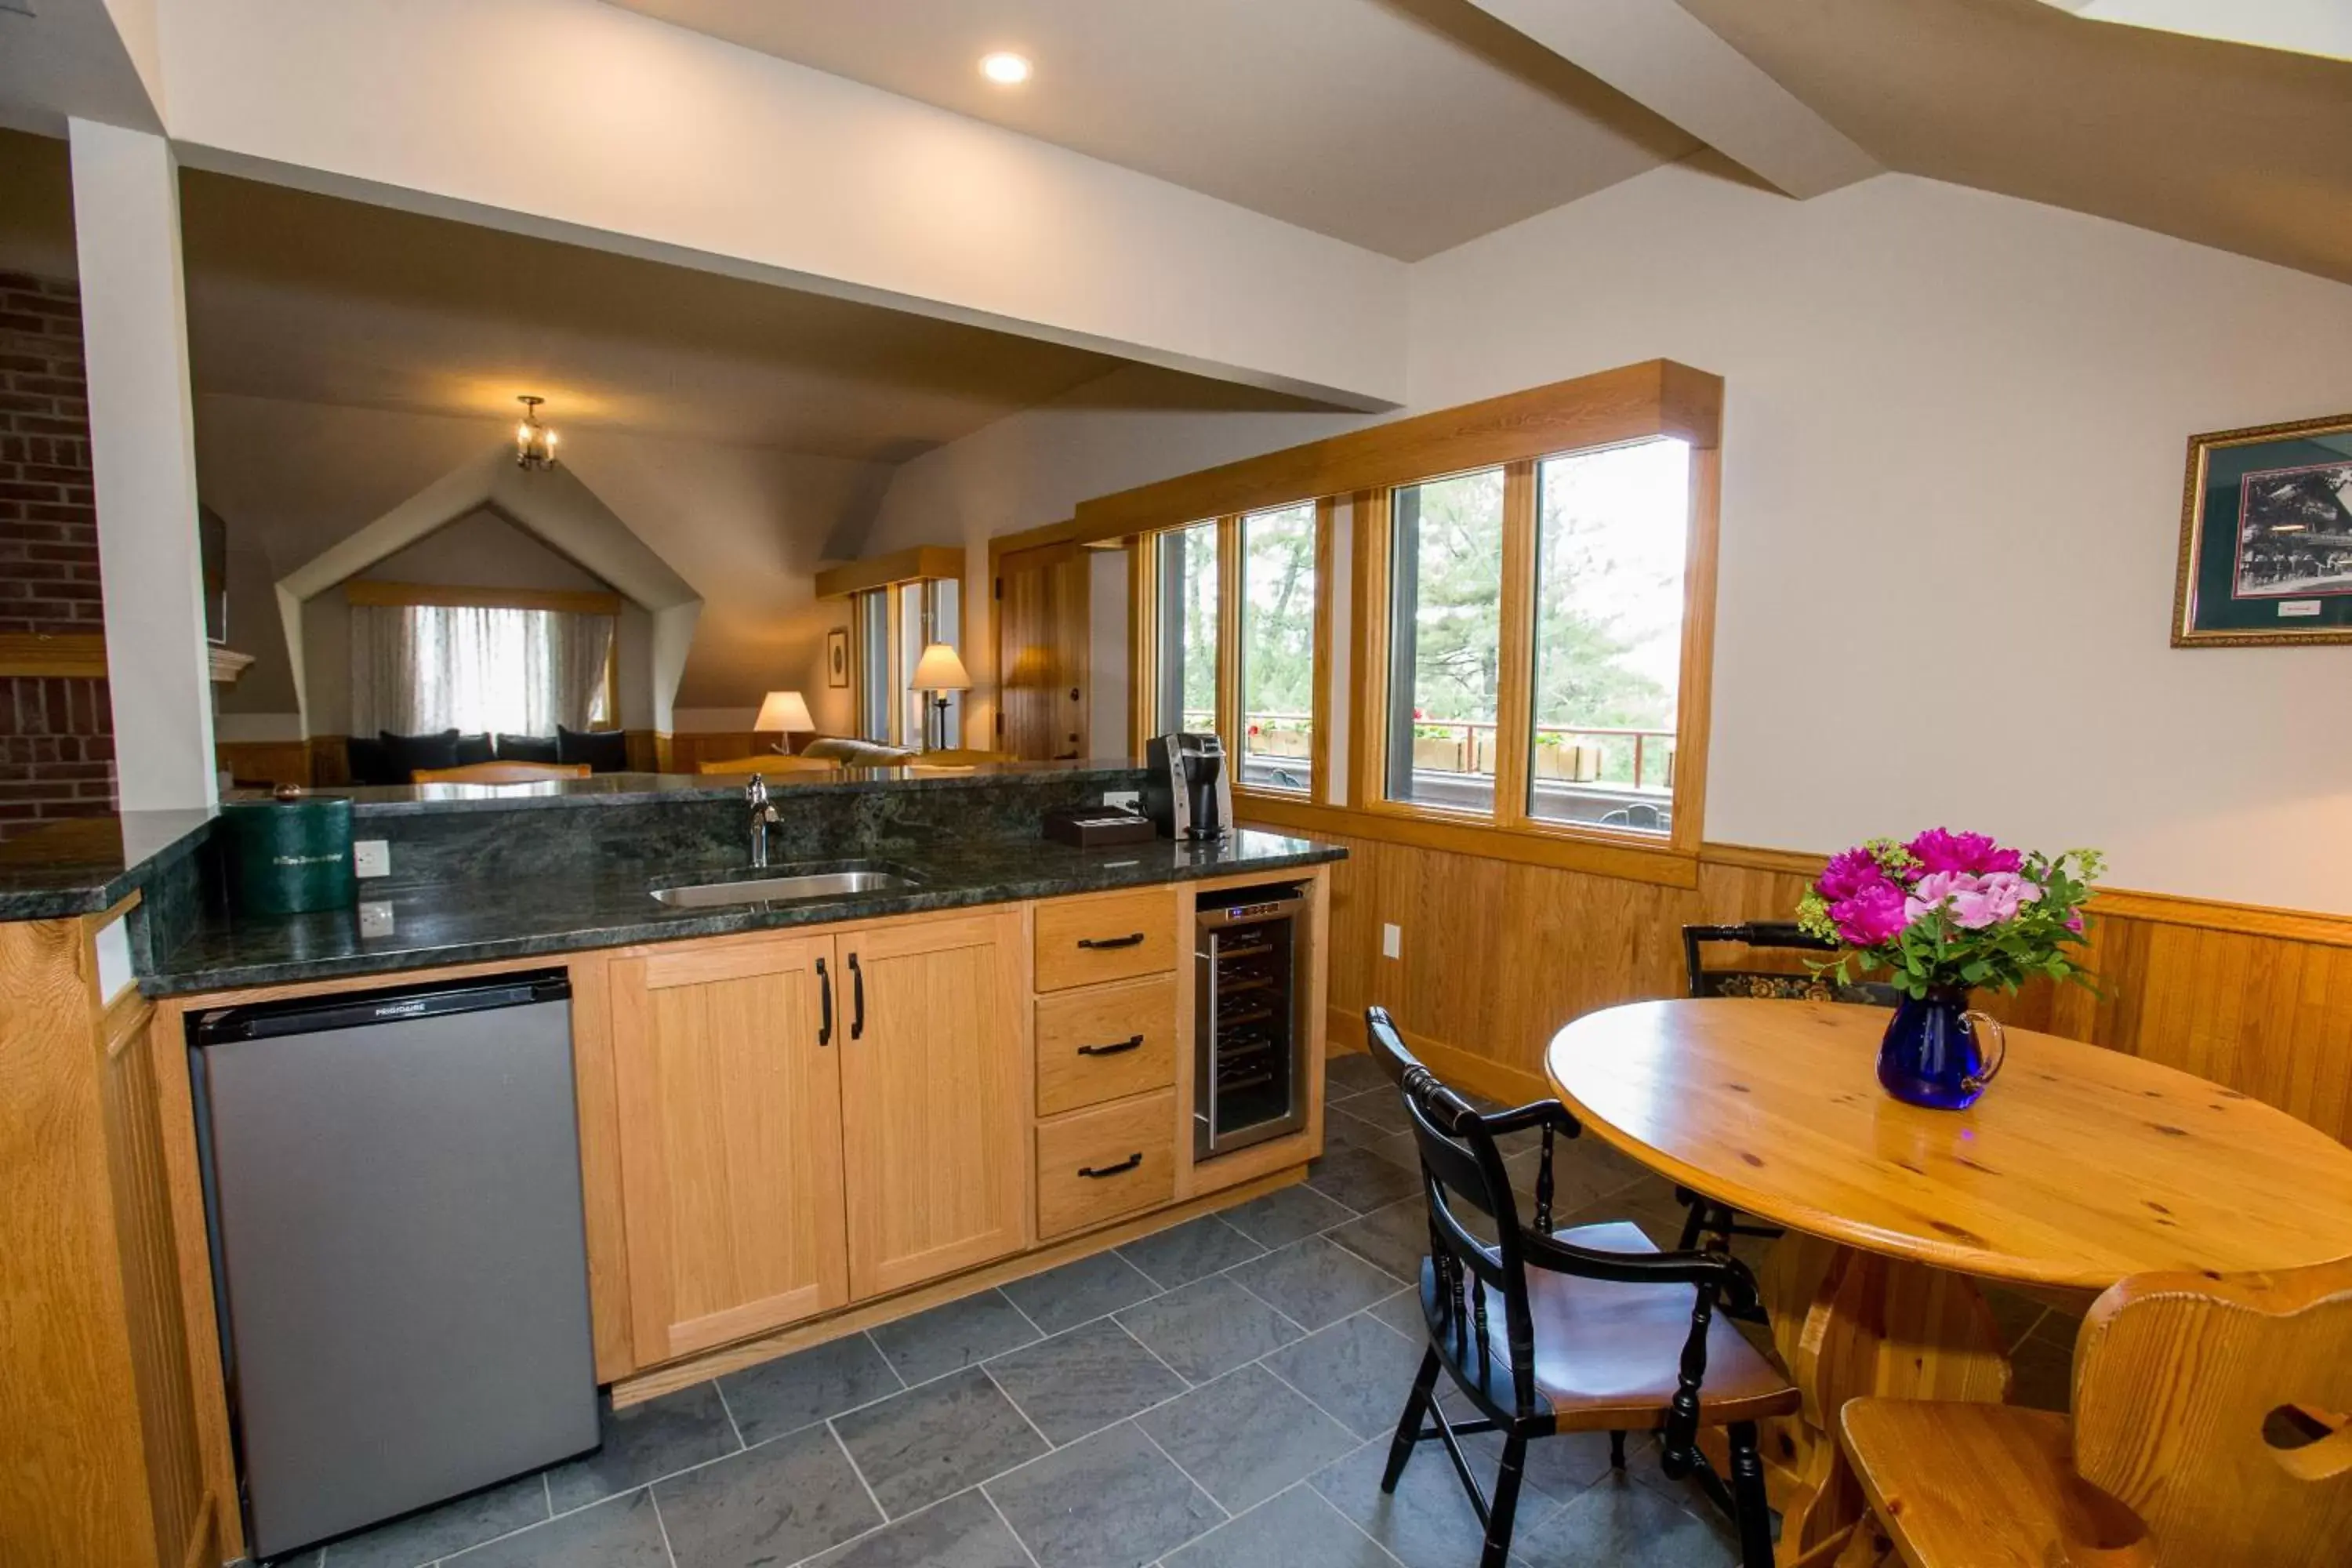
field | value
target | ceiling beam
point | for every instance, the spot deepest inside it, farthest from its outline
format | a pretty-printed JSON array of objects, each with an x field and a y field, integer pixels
[{"x": 1662, "y": 56}]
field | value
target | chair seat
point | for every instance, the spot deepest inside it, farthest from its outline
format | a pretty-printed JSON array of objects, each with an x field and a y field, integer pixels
[
  {"x": 1607, "y": 1353},
  {"x": 1983, "y": 1486}
]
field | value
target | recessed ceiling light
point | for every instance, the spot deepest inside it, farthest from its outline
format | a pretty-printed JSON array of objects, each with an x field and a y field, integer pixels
[{"x": 1004, "y": 67}]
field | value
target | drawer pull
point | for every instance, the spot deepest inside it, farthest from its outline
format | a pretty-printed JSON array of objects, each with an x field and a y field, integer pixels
[
  {"x": 1103, "y": 944},
  {"x": 1118, "y": 1047},
  {"x": 1097, "y": 1172}
]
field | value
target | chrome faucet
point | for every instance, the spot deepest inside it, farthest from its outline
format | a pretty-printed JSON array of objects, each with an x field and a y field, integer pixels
[{"x": 755, "y": 796}]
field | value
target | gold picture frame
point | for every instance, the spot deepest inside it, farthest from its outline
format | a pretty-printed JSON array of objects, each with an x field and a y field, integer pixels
[{"x": 2266, "y": 537}]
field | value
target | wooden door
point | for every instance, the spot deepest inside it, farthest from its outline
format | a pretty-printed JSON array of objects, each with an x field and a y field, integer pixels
[
  {"x": 730, "y": 1132},
  {"x": 935, "y": 1091},
  {"x": 1042, "y": 643}
]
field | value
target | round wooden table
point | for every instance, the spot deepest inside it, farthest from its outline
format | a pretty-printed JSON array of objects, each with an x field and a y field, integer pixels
[{"x": 2078, "y": 1167}]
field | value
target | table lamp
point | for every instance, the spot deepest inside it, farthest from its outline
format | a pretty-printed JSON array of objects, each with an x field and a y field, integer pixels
[
  {"x": 939, "y": 672},
  {"x": 787, "y": 713}
]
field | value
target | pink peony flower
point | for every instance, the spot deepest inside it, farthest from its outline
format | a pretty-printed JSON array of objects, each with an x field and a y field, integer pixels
[
  {"x": 2074, "y": 922},
  {"x": 1975, "y": 901},
  {"x": 1873, "y": 914},
  {"x": 1849, "y": 873},
  {"x": 1938, "y": 849},
  {"x": 1993, "y": 899}
]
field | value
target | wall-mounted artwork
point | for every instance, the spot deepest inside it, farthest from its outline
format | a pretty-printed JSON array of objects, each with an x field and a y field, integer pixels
[
  {"x": 837, "y": 656},
  {"x": 2266, "y": 536}
]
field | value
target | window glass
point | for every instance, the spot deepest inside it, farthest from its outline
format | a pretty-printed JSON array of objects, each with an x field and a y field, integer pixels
[
  {"x": 421, "y": 669},
  {"x": 1445, "y": 639},
  {"x": 1610, "y": 535},
  {"x": 1185, "y": 695},
  {"x": 1277, "y": 676},
  {"x": 876, "y": 696}
]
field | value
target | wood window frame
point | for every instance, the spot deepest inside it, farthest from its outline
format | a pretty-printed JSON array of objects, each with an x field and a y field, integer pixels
[
  {"x": 1516, "y": 433},
  {"x": 1144, "y": 599}
]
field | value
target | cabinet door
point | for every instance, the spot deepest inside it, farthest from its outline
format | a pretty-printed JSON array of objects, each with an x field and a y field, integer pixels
[
  {"x": 730, "y": 1142},
  {"x": 935, "y": 1093}
]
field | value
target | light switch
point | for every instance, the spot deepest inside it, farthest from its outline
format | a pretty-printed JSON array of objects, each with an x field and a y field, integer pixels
[
  {"x": 1392, "y": 941},
  {"x": 370, "y": 858}
]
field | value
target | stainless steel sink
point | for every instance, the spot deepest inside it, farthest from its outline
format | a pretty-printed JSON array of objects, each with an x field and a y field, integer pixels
[{"x": 799, "y": 887}]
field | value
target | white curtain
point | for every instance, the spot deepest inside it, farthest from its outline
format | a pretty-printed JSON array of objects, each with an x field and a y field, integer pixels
[{"x": 421, "y": 669}]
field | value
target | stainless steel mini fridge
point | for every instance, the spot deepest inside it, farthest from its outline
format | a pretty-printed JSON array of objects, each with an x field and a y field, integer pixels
[{"x": 393, "y": 1182}]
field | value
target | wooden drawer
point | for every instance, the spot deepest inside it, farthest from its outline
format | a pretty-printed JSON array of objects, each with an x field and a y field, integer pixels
[
  {"x": 1131, "y": 1146},
  {"x": 1113, "y": 936},
  {"x": 1105, "y": 1043}
]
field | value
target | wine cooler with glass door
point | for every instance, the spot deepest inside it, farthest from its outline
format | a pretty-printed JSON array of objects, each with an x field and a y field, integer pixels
[{"x": 1249, "y": 1020}]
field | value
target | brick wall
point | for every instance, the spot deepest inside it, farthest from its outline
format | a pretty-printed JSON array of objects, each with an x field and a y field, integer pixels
[{"x": 56, "y": 740}]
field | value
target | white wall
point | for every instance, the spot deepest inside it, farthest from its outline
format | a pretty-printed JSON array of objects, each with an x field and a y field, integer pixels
[
  {"x": 1952, "y": 469},
  {"x": 589, "y": 123}
]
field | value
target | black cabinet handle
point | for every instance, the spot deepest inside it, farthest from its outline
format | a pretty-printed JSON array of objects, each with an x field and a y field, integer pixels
[
  {"x": 1098, "y": 1171},
  {"x": 824, "y": 1002},
  {"x": 858, "y": 999},
  {"x": 1104, "y": 944},
  {"x": 1131, "y": 1043}
]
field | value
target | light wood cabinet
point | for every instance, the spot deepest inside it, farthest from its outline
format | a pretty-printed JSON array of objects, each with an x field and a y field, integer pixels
[
  {"x": 1105, "y": 1042},
  {"x": 729, "y": 1127},
  {"x": 1095, "y": 1164},
  {"x": 1105, "y": 936},
  {"x": 934, "y": 1092}
]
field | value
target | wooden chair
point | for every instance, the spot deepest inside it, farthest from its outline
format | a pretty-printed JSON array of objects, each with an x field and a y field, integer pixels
[
  {"x": 500, "y": 772},
  {"x": 2208, "y": 1432},
  {"x": 1709, "y": 1222},
  {"x": 773, "y": 764},
  {"x": 1589, "y": 1329}
]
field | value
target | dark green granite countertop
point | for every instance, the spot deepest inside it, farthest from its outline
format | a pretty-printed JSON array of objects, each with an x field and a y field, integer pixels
[
  {"x": 567, "y": 912},
  {"x": 83, "y": 865}
]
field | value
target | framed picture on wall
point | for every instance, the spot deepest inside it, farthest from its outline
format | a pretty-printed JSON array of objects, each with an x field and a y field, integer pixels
[
  {"x": 2266, "y": 536},
  {"x": 837, "y": 656}
]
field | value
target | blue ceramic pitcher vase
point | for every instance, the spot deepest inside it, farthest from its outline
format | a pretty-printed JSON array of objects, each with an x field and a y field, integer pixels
[{"x": 1934, "y": 1052}]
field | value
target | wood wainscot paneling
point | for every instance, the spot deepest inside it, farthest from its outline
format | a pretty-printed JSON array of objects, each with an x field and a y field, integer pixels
[
  {"x": 1496, "y": 955},
  {"x": 266, "y": 761}
]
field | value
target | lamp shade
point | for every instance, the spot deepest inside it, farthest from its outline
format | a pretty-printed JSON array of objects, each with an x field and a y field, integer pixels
[
  {"x": 785, "y": 712},
  {"x": 940, "y": 670}
]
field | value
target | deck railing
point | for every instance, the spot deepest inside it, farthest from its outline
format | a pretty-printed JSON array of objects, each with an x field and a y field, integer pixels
[{"x": 1466, "y": 747}]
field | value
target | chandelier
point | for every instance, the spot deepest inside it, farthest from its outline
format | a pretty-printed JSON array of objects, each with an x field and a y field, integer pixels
[{"x": 534, "y": 442}]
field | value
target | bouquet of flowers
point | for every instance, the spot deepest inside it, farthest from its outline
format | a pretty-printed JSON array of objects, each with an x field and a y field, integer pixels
[{"x": 1951, "y": 910}]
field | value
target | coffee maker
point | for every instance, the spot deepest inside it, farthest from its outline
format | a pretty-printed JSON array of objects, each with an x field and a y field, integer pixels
[{"x": 1187, "y": 792}]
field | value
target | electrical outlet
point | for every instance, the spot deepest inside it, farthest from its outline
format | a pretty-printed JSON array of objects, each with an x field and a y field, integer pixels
[
  {"x": 1392, "y": 941},
  {"x": 1128, "y": 798},
  {"x": 370, "y": 858},
  {"x": 375, "y": 918}
]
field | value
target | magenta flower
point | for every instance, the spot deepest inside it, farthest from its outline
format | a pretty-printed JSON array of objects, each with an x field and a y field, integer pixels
[
  {"x": 1849, "y": 873},
  {"x": 1938, "y": 849},
  {"x": 1873, "y": 914}
]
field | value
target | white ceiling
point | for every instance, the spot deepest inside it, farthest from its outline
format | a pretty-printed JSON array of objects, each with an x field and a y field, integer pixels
[{"x": 1403, "y": 126}]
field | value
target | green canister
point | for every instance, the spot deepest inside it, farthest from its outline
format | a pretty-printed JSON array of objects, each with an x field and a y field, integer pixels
[{"x": 290, "y": 854}]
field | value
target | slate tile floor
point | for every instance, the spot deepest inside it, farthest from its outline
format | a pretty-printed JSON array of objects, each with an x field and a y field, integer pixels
[{"x": 1218, "y": 1394}]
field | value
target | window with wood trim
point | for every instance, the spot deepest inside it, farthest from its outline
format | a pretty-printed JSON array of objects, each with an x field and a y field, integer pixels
[
  {"x": 889, "y": 628},
  {"x": 1530, "y": 614},
  {"x": 1534, "y": 621},
  {"x": 1235, "y": 616}
]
